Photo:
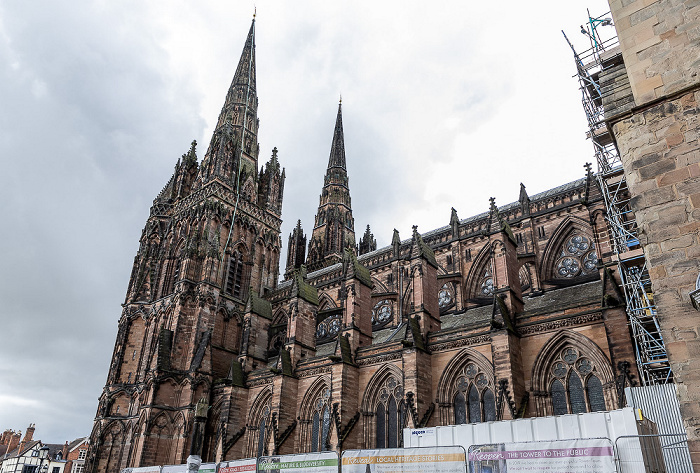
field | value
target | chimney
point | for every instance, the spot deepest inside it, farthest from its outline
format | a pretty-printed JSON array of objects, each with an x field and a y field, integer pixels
[
  {"x": 28, "y": 435},
  {"x": 14, "y": 441}
]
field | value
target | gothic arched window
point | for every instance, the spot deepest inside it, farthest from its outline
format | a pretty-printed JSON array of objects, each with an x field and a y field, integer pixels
[
  {"x": 474, "y": 400},
  {"x": 234, "y": 275},
  {"x": 575, "y": 387},
  {"x": 390, "y": 414},
  {"x": 321, "y": 422}
]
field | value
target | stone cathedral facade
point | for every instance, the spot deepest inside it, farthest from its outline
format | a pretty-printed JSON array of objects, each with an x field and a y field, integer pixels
[{"x": 513, "y": 312}]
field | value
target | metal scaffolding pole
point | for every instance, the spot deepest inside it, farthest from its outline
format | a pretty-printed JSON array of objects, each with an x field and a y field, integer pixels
[{"x": 632, "y": 269}]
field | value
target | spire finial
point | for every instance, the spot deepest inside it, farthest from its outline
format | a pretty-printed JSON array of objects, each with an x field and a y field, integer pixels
[
  {"x": 255, "y": 11},
  {"x": 340, "y": 102}
]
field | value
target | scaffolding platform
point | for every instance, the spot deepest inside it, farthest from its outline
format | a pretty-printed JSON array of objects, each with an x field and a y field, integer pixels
[{"x": 602, "y": 81}]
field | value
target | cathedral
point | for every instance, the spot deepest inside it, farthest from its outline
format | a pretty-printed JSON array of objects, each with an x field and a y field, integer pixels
[{"x": 515, "y": 312}]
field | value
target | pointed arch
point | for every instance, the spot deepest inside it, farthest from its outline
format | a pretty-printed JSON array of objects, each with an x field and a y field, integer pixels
[
  {"x": 384, "y": 408},
  {"x": 112, "y": 447},
  {"x": 466, "y": 389},
  {"x": 315, "y": 416},
  {"x": 565, "y": 355},
  {"x": 477, "y": 287},
  {"x": 565, "y": 259},
  {"x": 326, "y": 302},
  {"x": 378, "y": 287},
  {"x": 258, "y": 425}
]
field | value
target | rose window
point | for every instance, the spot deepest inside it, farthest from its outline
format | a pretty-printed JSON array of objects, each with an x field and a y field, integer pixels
[
  {"x": 578, "y": 257},
  {"x": 445, "y": 296},
  {"x": 381, "y": 313},
  {"x": 328, "y": 328}
]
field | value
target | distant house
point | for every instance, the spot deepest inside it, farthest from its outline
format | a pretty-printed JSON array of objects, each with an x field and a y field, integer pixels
[
  {"x": 76, "y": 454},
  {"x": 34, "y": 456}
]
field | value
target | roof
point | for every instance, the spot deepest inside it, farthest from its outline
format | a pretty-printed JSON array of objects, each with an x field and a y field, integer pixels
[{"x": 76, "y": 443}]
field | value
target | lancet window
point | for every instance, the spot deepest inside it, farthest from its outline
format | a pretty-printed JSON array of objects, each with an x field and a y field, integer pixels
[
  {"x": 321, "y": 422},
  {"x": 390, "y": 414},
  {"x": 575, "y": 387},
  {"x": 474, "y": 399},
  {"x": 446, "y": 298},
  {"x": 234, "y": 275}
]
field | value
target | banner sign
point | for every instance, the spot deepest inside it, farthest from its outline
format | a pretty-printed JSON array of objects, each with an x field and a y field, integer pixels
[
  {"x": 581, "y": 455},
  {"x": 203, "y": 468},
  {"x": 398, "y": 460},
  {"x": 142, "y": 469},
  {"x": 238, "y": 466},
  {"x": 323, "y": 462}
]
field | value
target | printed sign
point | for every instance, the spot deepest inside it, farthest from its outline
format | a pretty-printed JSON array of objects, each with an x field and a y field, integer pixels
[
  {"x": 323, "y": 462},
  {"x": 203, "y": 468},
  {"x": 238, "y": 466},
  {"x": 143, "y": 469},
  {"x": 424, "y": 433},
  {"x": 572, "y": 456},
  {"x": 398, "y": 460}
]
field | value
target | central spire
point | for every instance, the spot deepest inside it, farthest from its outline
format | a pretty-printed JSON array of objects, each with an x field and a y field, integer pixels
[
  {"x": 337, "y": 157},
  {"x": 232, "y": 156},
  {"x": 334, "y": 228}
]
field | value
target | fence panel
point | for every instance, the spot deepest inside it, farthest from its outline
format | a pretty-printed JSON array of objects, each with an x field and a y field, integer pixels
[
  {"x": 403, "y": 460},
  {"x": 584, "y": 455},
  {"x": 653, "y": 453}
]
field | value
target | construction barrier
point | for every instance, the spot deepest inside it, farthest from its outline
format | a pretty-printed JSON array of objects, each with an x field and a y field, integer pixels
[
  {"x": 576, "y": 455},
  {"x": 398, "y": 460},
  {"x": 322, "y": 462}
]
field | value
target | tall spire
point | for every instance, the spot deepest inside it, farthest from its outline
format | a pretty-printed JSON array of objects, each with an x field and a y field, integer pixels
[
  {"x": 235, "y": 134},
  {"x": 334, "y": 227},
  {"x": 337, "y": 157}
]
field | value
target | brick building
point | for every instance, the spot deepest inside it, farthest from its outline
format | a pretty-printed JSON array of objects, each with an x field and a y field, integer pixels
[{"x": 513, "y": 312}]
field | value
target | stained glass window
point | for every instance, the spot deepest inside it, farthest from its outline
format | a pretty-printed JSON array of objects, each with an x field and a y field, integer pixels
[
  {"x": 474, "y": 405},
  {"x": 393, "y": 439},
  {"x": 595, "y": 394},
  {"x": 577, "y": 257},
  {"x": 261, "y": 438},
  {"x": 559, "y": 398},
  {"x": 326, "y": 428},
  {"x": 576, "y": 396},
  {"x": 460, "y": 409},
  {"x": 314, "y": 432},
  {"x": 489, "y": 406},
  {"x": 381, "y": 423}
]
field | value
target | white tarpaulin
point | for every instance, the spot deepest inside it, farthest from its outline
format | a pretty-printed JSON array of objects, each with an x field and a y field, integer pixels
[
  {"x": 571, "y": 456},
  {"x": 323, "y": 462},
  {"x": 203, "y": 468},
  {"x": 399, "y": 460}
]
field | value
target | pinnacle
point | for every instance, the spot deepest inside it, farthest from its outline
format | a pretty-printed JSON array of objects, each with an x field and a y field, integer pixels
[{"x": 337, "y": 157}]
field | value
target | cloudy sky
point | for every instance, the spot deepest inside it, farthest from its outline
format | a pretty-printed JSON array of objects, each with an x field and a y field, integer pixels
[{"x": 444, "y": 105}]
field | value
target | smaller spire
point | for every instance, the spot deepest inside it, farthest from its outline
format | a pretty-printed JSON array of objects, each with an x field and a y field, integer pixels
[
  {"x": 524, "y": 200},
  {"x": 454, "y": 223}
]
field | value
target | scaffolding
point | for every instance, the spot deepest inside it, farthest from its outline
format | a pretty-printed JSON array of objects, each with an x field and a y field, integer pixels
[{"x": 603, "y": 55}]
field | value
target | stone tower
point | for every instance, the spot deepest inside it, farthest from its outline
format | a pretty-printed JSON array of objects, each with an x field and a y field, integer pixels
[
  {"x": 653, "y": 115},
  {"x": 334, "y": 226},
  {"x": 210, "y": 244}
]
